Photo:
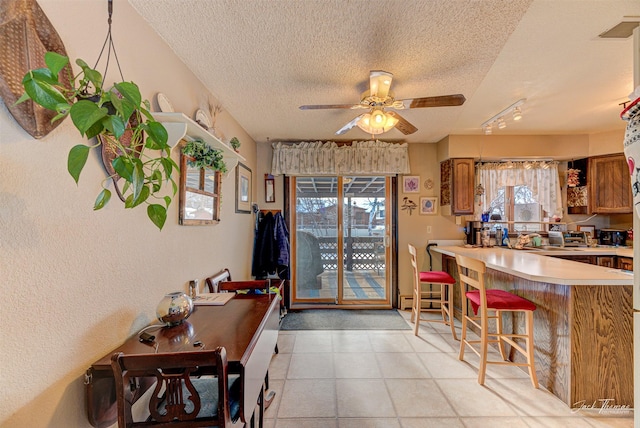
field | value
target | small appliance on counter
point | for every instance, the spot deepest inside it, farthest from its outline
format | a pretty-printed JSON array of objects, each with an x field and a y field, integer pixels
[
  {"x": 615, "y": 237},
  {"x": 556, "y": 238},
  {"x": 473, "y": 232},
  {"x": 574, "y": 238},
  {"x": 570, "y": 238}
]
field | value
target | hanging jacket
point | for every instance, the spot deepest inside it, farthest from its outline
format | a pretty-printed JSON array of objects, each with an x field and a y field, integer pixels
[
  {"x": 282, "y": 239},
  {"x": 265, "y": 250}
]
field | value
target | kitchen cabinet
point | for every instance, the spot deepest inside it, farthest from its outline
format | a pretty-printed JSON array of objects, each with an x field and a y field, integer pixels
[
  {"x": 606, "y": 261},
  {"x": 609, "y": 186},
  {"x": 581, "y": 258},
  {"x": 625, "y": 263},
  {"x": 457, "y": 185}
]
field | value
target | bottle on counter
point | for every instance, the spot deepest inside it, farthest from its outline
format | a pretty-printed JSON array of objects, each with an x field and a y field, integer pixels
[
  {"x": 193, "y": 288},
  {"x": 505, "y": 238}
]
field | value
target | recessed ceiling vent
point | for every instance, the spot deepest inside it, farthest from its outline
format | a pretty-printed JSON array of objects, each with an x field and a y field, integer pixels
[{"x": 623, "y": 29}]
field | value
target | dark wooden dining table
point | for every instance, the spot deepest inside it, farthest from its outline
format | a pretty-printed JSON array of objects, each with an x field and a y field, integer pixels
[{"x": 246, "y": 326}]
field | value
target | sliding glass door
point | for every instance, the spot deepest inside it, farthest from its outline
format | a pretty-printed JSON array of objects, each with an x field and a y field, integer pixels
[{"x": 340, "y": 248}]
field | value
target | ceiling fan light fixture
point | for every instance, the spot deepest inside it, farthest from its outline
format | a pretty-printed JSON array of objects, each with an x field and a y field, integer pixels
[
  {"x": 390, "y": 123},
  {"x": 365, "y": 124},
  {"x": 378, "y": 119},
  {"x": 379, "y": 83},
  {"x": 376, "y": 122}
]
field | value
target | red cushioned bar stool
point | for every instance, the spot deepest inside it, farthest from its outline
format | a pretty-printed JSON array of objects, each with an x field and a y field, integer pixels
[
  {"x": 438, "y": 298},
  {"x": 490, "y": 305}
]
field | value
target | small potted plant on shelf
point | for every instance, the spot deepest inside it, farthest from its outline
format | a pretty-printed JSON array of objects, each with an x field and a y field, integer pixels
[
  {"x": 235, "y": 143},
  {"x": 203, "y": 156},
  {"x": 118, "y": 117}
]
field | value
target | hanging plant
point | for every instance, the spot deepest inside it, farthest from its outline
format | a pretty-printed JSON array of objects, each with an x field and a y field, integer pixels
[
  {"x": 118, "y": 117},
  {"x": 203, "y": 156}
]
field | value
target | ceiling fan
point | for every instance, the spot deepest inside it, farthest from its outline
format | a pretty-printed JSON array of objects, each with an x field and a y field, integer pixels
[{"x": 378, "y": 98}]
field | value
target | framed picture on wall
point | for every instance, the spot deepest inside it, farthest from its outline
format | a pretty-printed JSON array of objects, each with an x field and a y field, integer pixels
[
  {"x": 429, "y": 205},
  {"x": 269, "y": 188},
  {"x": 243, "y": 189},
  {"x": 411, "y": 184}
]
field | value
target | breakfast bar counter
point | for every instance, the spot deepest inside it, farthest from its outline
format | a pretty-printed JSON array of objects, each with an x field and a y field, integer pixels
[
  {"x": 529, "y": 264},
  {"x": 583, "y": 324}
]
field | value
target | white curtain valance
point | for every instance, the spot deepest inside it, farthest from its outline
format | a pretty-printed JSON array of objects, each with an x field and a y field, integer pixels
[
  {"x": 541, "y": 177},
  {"x": 329, "y": 158}
]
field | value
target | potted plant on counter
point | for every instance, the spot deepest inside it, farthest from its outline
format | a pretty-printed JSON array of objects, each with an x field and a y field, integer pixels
[{"x": 119, "y": 118}]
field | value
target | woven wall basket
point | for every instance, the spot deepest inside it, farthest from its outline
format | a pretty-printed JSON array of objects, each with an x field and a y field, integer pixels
[{"x": 25, "y": 36}]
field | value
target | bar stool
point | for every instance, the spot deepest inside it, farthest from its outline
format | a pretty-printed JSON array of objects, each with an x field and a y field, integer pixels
[
  {"x": 491, "y": 304},
  {"x": 440, "y": 294}
]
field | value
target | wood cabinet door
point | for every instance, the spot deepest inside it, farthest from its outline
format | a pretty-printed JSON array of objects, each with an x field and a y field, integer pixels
[
  {"x": 606, "y": 261},
  {"x": 625, "y": 263},
  {"x": 609, "y": 185},
  {"x": 463, "y": 174},
  {"x": 582, "y": 259}
]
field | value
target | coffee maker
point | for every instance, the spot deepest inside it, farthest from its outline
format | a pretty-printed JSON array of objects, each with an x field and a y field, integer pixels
[{"x": 473, "y": 232}]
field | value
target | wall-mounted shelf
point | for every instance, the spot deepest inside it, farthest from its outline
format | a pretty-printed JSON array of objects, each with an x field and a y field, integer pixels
[
  {"x": 179, "y": 126},
  {"x": 553, "y": 225}
]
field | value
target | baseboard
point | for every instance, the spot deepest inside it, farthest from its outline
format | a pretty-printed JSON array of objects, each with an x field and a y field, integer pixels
[{"x": 406, "y": 300}]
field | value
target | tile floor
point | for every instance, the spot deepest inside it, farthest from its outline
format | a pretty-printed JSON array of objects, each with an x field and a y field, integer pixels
[{"x": 393, "y": 379}]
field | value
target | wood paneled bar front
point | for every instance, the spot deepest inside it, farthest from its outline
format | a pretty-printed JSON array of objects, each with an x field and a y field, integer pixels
[{"x": 583, "y": 324}]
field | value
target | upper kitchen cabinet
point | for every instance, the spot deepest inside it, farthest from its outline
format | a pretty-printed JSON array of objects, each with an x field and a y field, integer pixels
[
  {"x": 609, "y": 185},
  {"x": 457, "y": 183}
]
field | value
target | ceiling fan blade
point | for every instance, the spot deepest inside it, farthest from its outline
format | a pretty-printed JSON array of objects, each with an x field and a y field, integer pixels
[
  {"x": 403, "y": 125},
  {"x": 441, "y": 101},
  {"x": 379, "y": 83},
  {"x": 328, "y": 106},
  {"x": 349, "y": 125}
]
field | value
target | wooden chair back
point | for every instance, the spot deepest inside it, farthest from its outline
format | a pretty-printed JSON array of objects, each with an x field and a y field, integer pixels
[
  {"x": 471, "y": 273},
  {"x": 414, "y": 265},
  {"x": 251, "y": 285},
  {"x": 179, "y": 398},
  {"x": 214, "y": 280}
]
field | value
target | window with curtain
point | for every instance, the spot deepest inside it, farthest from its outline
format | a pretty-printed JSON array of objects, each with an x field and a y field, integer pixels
[
  {"x": 330, "y": 158},
  {"x": 520, "y": 191}
]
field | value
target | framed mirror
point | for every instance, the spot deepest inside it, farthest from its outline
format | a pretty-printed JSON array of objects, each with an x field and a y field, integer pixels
[{"x": 199, "y": 194}]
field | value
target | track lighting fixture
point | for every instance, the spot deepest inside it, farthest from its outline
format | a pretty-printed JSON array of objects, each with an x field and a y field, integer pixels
[{"x": 498, "y": 120}]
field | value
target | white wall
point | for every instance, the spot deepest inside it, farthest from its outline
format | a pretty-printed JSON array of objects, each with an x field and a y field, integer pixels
[
  {"x": 77, "y": 283},
  {"x": 418, "y": 229}
]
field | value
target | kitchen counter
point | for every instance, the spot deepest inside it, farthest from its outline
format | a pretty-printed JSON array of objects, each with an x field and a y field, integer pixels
[
  {"x": 583, "y": 322},
  {"x": 528, "y": 264},
  {"x": 601, "y": 250}
]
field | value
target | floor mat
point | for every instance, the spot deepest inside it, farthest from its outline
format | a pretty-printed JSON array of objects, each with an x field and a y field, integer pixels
[{"x": 344, "y": 319}]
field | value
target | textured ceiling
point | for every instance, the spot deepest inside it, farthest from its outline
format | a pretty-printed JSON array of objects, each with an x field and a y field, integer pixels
[{"x": 263, "y": 58}]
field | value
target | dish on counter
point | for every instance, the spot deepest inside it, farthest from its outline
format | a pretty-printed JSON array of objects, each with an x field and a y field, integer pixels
[
  {"x": 203, "y": 119},
  {"x": 164, "y": 103}
]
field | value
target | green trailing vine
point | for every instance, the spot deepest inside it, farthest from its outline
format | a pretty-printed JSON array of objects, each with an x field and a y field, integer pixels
[
  {"x": 204, "y": 156},
  {"x": 122, "y": 120}
]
